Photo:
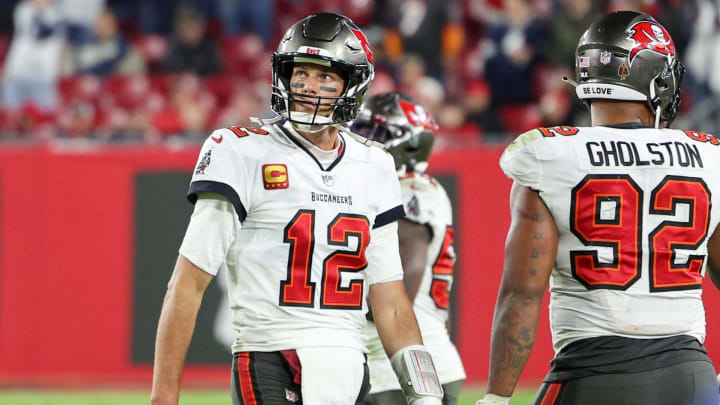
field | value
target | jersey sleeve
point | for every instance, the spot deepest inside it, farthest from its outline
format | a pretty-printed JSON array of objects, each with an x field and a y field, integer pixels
[
  {"x": 519, "y": 161},
  {"x": 391, "y": 204},
  {"x": 221, "y": 170},
  {"x": 415, "y": 195},
  {"x": 383, "y": 255},
  {"x": 210, "y": 233}
]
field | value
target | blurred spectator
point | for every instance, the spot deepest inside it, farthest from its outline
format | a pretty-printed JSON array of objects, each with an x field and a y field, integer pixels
[
  {"x": 191, "y": 49},
  {"x": 703, "y": 53},
  {"x": 476, "y": 101},
  {"x": 33, "y": 62},
  {"x": 455, "y": 128},
  {"x": 571, "y": 21},
  {"x": 240, "y": 16},
  {"x": 675, "y": 16},
  {"x": 188, "y": 112},
  {"x": 108, "y": 52},
  {"x": 413, "y": 81},
  {"x": 515, "y": 44},
  {"x": 421, "y": 24},
  {"x": 80, "y": 17},
  {"x": 248, "y": 100}
]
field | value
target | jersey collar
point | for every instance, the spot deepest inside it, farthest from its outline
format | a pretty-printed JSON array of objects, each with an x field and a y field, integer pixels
[
  {"x": 627, "y": 125},
  {"x": 343, "y": 146}
]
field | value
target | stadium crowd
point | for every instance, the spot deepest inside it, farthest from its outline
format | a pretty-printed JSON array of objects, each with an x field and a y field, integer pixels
[{"x": 150, "y": 70}]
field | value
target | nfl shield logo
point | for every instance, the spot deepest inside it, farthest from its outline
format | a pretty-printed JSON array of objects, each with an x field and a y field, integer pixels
[
  {"x": 328, "y": 179},
  {"x": 605, "y": 57}
]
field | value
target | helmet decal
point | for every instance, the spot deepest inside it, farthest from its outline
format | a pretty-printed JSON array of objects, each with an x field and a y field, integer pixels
[
  {"x": 417, "y": 115},
  {"x": 365, "y": 44},
  {"x": 650, "y": 36}
]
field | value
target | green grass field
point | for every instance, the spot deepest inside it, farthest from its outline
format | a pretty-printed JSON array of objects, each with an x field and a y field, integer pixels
[{"x": 11, "y": 397}]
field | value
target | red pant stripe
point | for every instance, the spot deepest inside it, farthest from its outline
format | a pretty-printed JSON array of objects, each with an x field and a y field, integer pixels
[
  {"x": 551, "y": 394},
  {"x": 245, "y": 378}
]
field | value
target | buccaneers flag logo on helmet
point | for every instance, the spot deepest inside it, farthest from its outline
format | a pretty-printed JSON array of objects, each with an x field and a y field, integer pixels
[
  {"x": 649, "y": 36},
  {"x": 417, "y": 115}
]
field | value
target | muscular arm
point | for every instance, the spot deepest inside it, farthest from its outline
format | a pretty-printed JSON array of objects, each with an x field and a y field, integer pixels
[
  {"x": 394, "y": 317},
  {"x": 530, "y": 251},
  {"x": 414, "y": 242},
  {"x": 713, "y": 267},
  {"x": 175, "y": 329}
]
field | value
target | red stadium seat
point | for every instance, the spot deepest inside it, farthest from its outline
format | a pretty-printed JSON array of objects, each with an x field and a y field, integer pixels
[{"x": 241, "y": 52}]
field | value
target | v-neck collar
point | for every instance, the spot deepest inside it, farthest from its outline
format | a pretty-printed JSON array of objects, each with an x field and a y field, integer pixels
[{"x": 297, "y": 142}]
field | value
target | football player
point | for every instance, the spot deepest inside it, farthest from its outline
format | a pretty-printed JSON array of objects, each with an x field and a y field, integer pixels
[
  {"x": 621, "y": 219},
  {"x": 426, "y": 242},
  {"x": 302, "y": 214}
]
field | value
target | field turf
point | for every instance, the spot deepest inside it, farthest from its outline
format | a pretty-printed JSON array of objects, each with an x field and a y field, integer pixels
[{"x": 18, "y": 397}]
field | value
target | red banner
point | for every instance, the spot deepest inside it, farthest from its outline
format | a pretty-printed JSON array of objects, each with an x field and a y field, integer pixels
[{"x": 66, "y": 264}]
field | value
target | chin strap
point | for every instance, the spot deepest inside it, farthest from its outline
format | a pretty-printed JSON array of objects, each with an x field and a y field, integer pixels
[{"x": 655, "y": 102}]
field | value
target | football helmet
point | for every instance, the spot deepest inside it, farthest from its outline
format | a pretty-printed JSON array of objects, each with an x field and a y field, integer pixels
[
  {"x": 330, "y": 40},
  {"x": 629, "y": 56},
  {"x": 405, "y": 128}
]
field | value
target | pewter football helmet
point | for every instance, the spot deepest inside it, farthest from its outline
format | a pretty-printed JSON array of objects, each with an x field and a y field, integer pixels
[
  {"x": 330, "y": 40},
  {"x": 404, "y": 126},
  {"x": 629, "y": 56}
]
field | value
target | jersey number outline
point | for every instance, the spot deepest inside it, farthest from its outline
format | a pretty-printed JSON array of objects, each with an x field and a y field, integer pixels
[
  {"x": 298, "y": 289},
  {"x": 622, "y": 232},
  {"x": 443, "y": 266}
]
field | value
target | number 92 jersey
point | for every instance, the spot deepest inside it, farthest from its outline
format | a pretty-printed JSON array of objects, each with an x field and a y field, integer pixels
[
  {"x": 634, "y": 208},
  {"x": 300, "y": 265}
]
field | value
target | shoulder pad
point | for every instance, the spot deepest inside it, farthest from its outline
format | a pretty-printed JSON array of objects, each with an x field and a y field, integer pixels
[{"x": 524, "y": 139}]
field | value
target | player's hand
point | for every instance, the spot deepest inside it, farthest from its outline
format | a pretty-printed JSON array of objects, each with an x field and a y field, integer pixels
[{"x": 492, "y": 399}]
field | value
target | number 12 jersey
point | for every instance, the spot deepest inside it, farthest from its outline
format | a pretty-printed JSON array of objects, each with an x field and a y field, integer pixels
[{"x": 306, "y": 251}]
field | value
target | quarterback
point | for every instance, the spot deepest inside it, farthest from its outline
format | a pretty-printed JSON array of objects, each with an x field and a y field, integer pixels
[
  {"x": 302, "y": 215},
  {"x": 621, "y": 219},
  {"x": 426, "y": 243}
]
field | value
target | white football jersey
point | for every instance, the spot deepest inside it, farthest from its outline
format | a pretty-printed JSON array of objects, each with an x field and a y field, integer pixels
[
  {"x": 427, "y": 203},
  {"x": 300, "y": 266},
  {"x": 634, "y": 209}
]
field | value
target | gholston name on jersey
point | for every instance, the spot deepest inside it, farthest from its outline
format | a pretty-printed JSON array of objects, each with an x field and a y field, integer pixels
[
  {"x": 331, "y": 198},
  {"x": 620, "y": 153}
]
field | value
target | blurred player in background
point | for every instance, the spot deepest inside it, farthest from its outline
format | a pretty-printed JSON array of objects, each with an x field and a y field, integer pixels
[
  {"x": 426, "y": 242},
  {"x": 627, "y": 213},
  {"x": 302, "y": 215}
]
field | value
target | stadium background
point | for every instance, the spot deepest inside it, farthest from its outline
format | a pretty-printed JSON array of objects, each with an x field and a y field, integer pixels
[{"x": 105, "y": 103}]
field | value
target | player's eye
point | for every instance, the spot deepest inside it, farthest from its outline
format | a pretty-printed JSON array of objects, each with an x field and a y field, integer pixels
[{"x": 301, "y": 74}]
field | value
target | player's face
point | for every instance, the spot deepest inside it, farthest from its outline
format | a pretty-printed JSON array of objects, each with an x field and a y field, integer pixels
[{"x": 315, "y": 80}]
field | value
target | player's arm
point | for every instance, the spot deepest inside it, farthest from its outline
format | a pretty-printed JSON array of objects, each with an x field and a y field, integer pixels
[
  {"x": 212, "y": 229},
  {"x": 395, "y": 320},
  {"x": 394, "y": 316},
  {"x": 414, "y": 241},
  {"x": 175, "y": 329},
  {"x": 530, "y": 250},
  {"x": 713, "y": 267}
]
